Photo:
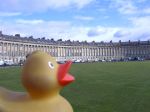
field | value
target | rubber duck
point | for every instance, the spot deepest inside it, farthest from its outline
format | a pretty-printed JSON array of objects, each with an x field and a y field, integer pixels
[{"x": 43, "y": 78}]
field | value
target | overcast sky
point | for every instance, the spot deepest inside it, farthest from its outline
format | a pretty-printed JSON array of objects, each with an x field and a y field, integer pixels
[{"x": 98, "y": 20}]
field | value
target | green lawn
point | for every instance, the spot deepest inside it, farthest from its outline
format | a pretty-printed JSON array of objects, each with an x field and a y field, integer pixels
[{"x": 100, "y": 87}]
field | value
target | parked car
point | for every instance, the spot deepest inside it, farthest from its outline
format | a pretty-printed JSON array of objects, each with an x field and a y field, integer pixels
[
  {"x": 61, "y": 62},
  {"x": 96, "y": 60},
  {"x": 103, "y": 60},
  {"x": 1, "y": 62},
  {"x": 77, "y": 61},
  {"x": 8, "y": 62}
]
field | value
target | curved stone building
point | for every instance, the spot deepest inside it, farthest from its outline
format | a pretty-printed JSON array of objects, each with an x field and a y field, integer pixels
[{"x": 16, "y": 48}]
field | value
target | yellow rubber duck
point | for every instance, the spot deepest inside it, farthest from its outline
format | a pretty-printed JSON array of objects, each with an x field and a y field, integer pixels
[{"x": 43, "y": 78}]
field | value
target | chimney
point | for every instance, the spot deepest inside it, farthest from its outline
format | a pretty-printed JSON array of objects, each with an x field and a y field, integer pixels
[
  {"x": 0, "y": 33},
  {"x": 17, "y": 35}
]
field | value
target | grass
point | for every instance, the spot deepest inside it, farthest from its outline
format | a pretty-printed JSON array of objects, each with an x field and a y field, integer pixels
[{"x": 100, "y": 87}]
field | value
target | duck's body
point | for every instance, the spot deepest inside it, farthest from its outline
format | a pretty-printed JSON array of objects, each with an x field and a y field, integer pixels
[
  {"x": 43, "y": 78},
  {"x": 22, "y": 102}
]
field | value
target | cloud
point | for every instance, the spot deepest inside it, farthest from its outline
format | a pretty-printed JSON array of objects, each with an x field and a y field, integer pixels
[
  {"x": 126, "y": 34},
  {"x": 140, "y": 21},
  {"x": 141, "y": 26},
  {"x": 84, "y": 18},
  {"x": 55, "y": 29},
  {"x": 7, "y": 14},
  {"x": 146, "y": 11},
  {"x": 102, "y": 9},
  {"x": 129, "y": 7},
  {"x": 37, "y": 28},
  {"x": 81, "y": 3},
  {"x": 96, "y": 32},
  {"x": 93, "y": 33},
  {"x": 121, "y": 34},
  {"x": 139, "y": 30},
  {"x": 124, "y": 6},
  {"x": 40, "y": 5},
  {"x": 30, "y": 22},
  {"x": 141, "y": 1},
  {"x": 139, "y": 34},
  {"x": 144, "y": 35},
  {"x": 66, "y": 30}
]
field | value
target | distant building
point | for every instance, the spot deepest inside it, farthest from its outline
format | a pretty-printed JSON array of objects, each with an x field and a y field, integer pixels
[{"x": 16, "y": 48}]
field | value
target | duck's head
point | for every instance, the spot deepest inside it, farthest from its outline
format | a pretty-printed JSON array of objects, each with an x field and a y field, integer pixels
[{"x": 42, "y": 76}]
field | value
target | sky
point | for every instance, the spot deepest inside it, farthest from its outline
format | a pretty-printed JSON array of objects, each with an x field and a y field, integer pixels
[{"x": 90, "y": 20}]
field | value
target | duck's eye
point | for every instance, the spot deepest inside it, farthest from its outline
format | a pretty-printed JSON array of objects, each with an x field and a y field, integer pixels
[{"x": 50, "y": 64}]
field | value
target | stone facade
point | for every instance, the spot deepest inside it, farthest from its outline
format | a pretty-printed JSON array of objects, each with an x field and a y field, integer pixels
[{"x": 16, "y": 48}]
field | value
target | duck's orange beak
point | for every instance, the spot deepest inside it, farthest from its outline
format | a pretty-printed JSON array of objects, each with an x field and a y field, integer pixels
[{"x": 64, "y": 77}]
